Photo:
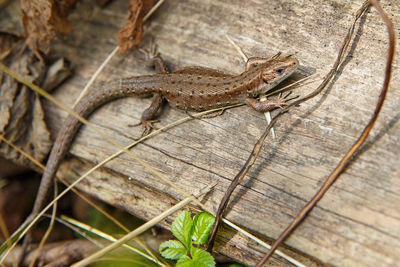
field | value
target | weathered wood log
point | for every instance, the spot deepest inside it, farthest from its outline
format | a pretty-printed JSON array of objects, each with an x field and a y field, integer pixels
[{"x": 357, "y": 223}]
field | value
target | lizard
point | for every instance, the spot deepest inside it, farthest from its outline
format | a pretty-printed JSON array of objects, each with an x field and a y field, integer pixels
[{"x": 190, "y": 89}]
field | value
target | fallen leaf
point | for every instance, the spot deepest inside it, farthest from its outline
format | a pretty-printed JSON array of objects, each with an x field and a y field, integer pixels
[
  {"x": 43, "y": 19},
  {"x": 132, "y": 33},
  {"x": 21, "y": 114}
]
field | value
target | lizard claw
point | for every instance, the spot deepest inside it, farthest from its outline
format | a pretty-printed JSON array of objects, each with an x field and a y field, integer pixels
[
  {"x": 283, "y": 100},
  {"x": 151, "y": 52},
  {"x": 154, "y": 59},
  {"x": 146, "y": 125}
]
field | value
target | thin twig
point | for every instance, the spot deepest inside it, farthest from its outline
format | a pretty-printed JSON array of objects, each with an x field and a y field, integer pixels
[
  {"x": 348, "y": 156},
  {"x": 246, "y": 167},
  {"x": 250, "y": 161}
]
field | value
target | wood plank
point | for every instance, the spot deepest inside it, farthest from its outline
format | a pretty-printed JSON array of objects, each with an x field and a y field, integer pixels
[{"x": 357, "y": 223}]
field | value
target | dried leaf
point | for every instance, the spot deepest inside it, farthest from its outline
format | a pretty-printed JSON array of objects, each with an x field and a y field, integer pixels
[
  {"x": 132, "y": 33},
  {"x": 42, "y": 19},
  {"x": 56, "y": 74},
  {"x": 21, "y": 114},
  {"x": 148, "y": 5}
]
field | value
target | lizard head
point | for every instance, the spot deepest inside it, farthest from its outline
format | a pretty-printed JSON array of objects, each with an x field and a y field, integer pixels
[{"x": 276, "y": 70}]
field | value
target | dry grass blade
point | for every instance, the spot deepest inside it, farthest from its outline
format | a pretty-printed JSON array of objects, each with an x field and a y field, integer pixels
[
  {"x": 112, "y": 141},
  {"x": 6, "y": 234},
  {"x": 69, "y": 221},
  {"x": 122, "y": 151},
  {"x": 95, "y": 75},
  {"x": 142, "y": 228},
  {"x": 107, "y": 215}
]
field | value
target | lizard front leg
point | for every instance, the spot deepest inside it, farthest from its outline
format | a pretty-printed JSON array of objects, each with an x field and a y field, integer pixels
[
  {"x": 154, "y": 59},
  {"x": 264, "y": 106}
]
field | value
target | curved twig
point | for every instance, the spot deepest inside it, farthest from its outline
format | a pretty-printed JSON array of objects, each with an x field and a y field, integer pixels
[
  {"x": 347, "y": 158},
  {"x": 257, "y": 147}
]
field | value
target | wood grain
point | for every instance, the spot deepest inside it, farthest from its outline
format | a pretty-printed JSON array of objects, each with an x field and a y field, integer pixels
[{"x": 358, "y": 221}]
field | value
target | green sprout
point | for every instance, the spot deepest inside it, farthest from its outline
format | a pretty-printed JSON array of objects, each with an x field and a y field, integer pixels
[{"x": 190, "y": 234}]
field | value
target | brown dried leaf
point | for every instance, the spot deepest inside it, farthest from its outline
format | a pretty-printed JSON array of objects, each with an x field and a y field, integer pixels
[
  {"x": 132, "y": 33},
  {"x": 42, "y": 19},
  {"x": 147, "y": 5},
  {"x": 21, "y": 114},
  {"x": 56, "y": 74}
]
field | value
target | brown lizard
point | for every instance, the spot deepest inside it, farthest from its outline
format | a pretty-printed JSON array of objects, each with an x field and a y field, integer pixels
[{"x": 193, "y": 88}]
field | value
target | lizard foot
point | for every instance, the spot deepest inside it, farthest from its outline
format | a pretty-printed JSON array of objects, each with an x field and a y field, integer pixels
[
  {"x": 151, "y": 52},
  {"x": 264, "y": 106},
  {"x": 154, "y": 59},
  {"x": 146, "y": 125},
  {"x": 282, "y": 101}
]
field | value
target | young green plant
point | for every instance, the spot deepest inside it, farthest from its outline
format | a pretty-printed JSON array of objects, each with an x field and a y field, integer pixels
[{"x": 190, "y": 234}]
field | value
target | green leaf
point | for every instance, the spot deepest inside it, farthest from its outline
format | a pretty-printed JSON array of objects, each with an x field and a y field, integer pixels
[
  {"x": 203, "y": 223},
  {"x": 185, "y": 261},
  {"x": 236, "y": 265},
  {"x": 201, "y": 257},
  {"x": 181, "y": 228},
  {"x": 172, "y": 249}
]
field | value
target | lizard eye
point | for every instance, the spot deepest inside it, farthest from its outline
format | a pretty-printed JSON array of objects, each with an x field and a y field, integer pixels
[{"x": 279, "y": 71}]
